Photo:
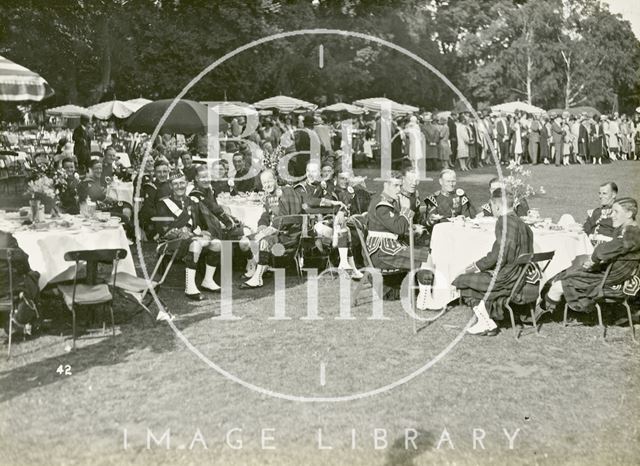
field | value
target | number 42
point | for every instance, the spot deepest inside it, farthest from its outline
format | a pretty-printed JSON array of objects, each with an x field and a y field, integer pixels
[{"x": 63, "y": 369}]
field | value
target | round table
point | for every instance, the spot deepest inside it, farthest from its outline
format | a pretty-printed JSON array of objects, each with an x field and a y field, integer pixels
[
  {"x": 455, "y": 246},
  {"x": 46, "y": 247}
]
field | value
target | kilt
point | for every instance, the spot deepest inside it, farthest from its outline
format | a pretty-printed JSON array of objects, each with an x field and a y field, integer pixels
[
  {"x": 400, "y": 260},
  {"x": 476, "y": 284}
]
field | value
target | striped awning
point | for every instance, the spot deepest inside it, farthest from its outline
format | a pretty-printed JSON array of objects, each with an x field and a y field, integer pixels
[
  {"x": 17, "y": 83},
  {"x": 284, "y": 104}
]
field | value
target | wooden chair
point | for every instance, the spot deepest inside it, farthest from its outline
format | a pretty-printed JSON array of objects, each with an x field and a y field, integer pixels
[
  {"x": 294, "y": 251},
  {"x": 87, "y": 294},
  {"x": 138, "y": 288},
  {"x": 527, "y": 263},
  {"x": 8, "y": 304},
  {"x": 607, "y": 295},
  {"x": 359, "y": 222}
]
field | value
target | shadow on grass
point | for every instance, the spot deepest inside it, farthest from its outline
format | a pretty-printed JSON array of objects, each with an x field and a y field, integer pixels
[{"x": 404, "y": 450}]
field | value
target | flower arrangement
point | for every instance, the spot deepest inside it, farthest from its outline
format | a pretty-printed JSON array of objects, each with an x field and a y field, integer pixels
[
  {"x": 271, "y": 159},
  {"x": 41, "y": 187},
  {"x": 516, "y": 181}
]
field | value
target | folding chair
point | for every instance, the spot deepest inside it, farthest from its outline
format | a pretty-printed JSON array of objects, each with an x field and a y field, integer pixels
[
  {"x": 294, "y": 251},
  {"x": 359, "y": 223},
  {"x": 527, "y": 262},
  {"x": 86, "y": 294},
  {"x": 139, "y": 288},
  {"x": 8, "y": 304},
  {"x": 608, "y": 295}
]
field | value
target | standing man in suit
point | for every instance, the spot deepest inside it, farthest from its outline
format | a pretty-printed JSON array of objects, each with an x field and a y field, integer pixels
[
  {"x": 583, "y": 139},
  {"x": 557, "y": 136},
  {"x": 82, "y": 144},
  {"x": 534, "y": 139},
  {"x": 502, "y": 138}
]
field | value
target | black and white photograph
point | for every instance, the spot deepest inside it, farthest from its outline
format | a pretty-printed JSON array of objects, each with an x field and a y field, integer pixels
[{"x": 319, "y": 232}]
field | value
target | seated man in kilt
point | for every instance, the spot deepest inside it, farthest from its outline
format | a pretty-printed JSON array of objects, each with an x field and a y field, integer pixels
[
  {"x": 352, "y": 192},
  {"x": 318, "y": 197},
  {"x": 215, "y": 220},
  {"x": 386, "y": 224},
  {"x": 178, "y": 218},
  {"x": 580, "y": 283},
  {"x": 278, "y": 202},
  {"x": 475, "y": 282}
]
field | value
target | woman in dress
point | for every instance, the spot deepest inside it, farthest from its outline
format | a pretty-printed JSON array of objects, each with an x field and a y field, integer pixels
[
  {"x": 580, "y": 283},
  {"x": 462, "y": 135}
]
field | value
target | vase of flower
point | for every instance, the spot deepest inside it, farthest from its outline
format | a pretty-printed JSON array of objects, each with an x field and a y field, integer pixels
[{"x": 34, "y": 204}]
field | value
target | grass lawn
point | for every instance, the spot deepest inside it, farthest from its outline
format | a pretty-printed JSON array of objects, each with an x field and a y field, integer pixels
[{"x": 573, "y": 397}]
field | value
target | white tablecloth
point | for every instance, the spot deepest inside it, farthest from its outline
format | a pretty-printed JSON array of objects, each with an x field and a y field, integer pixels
[
  {"x": 121, "y": 191},
  {"x": 46, "y": 248},
  {"x": 454, "y": 247},
  {"x": 247, "y": 212}
]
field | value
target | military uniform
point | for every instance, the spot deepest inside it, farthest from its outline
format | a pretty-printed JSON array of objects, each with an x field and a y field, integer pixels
[
  {"x": 281, "y": 202},
  {"x": 387, "y": 225},
  {"x": 152, "y": 192},
  {"x": 179, "y": 219},
  {"x": 311, "y": 195},
  {"x": 213, "y": 217},
  {"x": 92, "y": 189},
  {"x": 599, "y": 225},
  {"x": 449, "y": 205},
  {"x": 520, "y": 207},
  {"x": 69, "y": 197},
  {"x": 356, "y": 199}
]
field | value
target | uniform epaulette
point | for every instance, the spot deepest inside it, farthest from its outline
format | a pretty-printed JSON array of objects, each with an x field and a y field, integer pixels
[
  {"x": 431, "y": 199},
  {"x": 464, "y": 200},
  {"x": 589, "y": 212},
  {"x": 486, "y": 207},
  {"x": 195, "y": 199}
]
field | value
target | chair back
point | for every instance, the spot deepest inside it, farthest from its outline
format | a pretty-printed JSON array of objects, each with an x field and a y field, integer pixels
[
  {"x": 6, "y": 254},
  {"x": 528, "y": 262},
  {"x": 95, "y": 255},
  {"x": 359, "y": 223}
]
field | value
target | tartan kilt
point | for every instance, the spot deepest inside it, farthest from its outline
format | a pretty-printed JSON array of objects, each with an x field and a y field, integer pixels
[
  {"x": 400, "y": 260},
  {"x": 474, "y": 286}
]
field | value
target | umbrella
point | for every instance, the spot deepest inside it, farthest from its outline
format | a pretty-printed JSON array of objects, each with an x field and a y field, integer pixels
[
  {"x": 18, "y": 83},
  {"x": 234, "y": 109},
  {"x": 512, "y": 107},
  {"x": 284, "y": 104},
  {"x": 69, "y": 111},
  {"x": 114, "y": 108},
  {"x": 187, "y": 117},
  {"x": 135, "y": 104},
  {"x": 343, "y": 108},
  {"x": 376, "y": 104}
]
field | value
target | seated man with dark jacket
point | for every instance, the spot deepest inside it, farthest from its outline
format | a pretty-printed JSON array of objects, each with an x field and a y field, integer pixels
[{"x": 24, "y": 284}]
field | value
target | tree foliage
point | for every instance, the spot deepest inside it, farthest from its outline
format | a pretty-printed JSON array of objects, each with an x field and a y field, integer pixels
[{"x": 550, "y": 52}]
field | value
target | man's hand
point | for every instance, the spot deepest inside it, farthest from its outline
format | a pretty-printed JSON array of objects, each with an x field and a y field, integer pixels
[
  {"x": 587, "y": 264},
  {"x": 472, "y": 268},
  {"x": 419, "y": 229}
]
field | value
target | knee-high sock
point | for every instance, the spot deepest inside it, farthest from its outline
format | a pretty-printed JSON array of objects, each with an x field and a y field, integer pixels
[
  {"x": 208, "y": 281},
  {"x": 256, "y": 279},
  {"x": 190, "y": 281},
  {"x": 344, "y": 257}
]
